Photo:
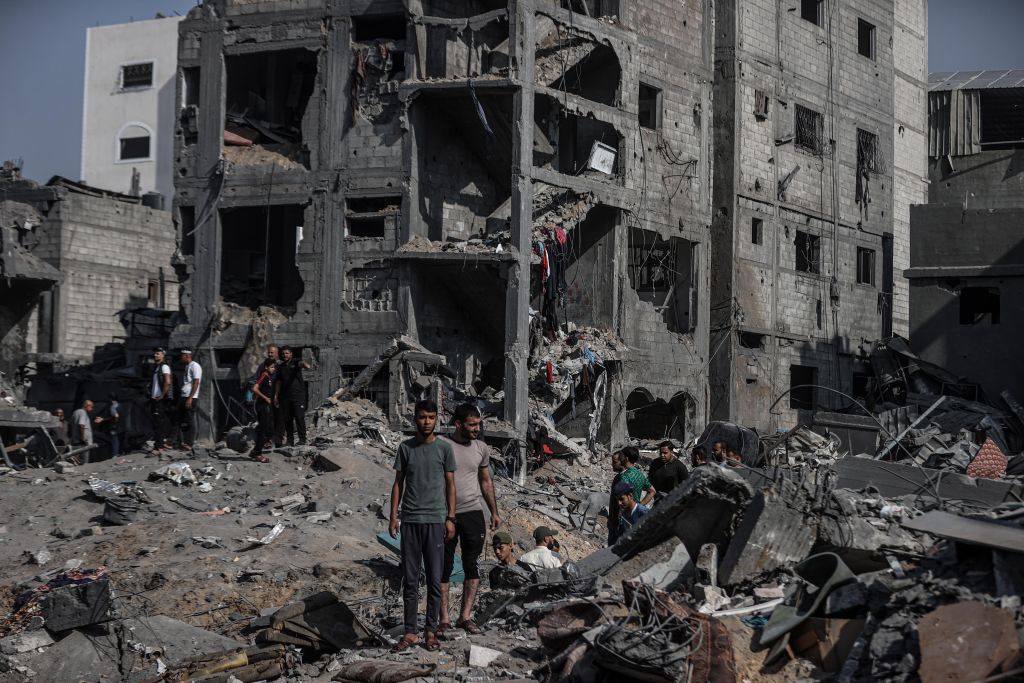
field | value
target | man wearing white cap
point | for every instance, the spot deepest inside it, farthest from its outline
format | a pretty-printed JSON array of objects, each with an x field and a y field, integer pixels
[{"x": 189, "y": 394}]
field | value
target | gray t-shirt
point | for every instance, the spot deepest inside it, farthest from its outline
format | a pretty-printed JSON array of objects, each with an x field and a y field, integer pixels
[
  {"x": 80, "y": 419},
  {"x": 469, "y": 457},
  {"x": 425, "y": 465}
]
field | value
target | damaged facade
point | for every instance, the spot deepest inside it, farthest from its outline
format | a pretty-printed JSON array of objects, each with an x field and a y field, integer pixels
[
  {"x": 967, "y": 262},
  {"x": 470, "y": 175},
  {"x": 818, "y": 143}
]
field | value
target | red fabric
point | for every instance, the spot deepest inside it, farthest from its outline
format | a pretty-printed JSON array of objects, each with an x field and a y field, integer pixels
[
  {"x": 989, "y": 463},
  {"x": 551, "y": 373}
]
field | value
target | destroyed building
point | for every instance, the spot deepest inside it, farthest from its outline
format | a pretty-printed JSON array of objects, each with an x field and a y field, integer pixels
[
  {"x": 370, "y": 170},
  {"x": 819, "y": 144},
  {"x": 113, "y": 252},
  {"x": 967, "y": 260}
]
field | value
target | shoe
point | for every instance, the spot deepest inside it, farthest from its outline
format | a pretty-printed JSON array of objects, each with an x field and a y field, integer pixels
[
  {"x": 302, "y": 442},
  {"x": 469, "y": 626},
  {"x": 430, "y": 642},
  {"x": 442, "y": 627},
  {"x": 407, "y": 641}
]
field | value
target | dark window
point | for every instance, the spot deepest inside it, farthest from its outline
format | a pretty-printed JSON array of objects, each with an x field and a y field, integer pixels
[
  {"x": 751, "y": 340},
  {"x": 760, "y": 105},
  {"x": 809, "y": 129},
  {"x": 808, "y": 252},
  {"x": 649, "y": 111},
  {"x": 869, "y": 156},
  {"x": 861, "y": 384},
  {"x": 227, "y": 358},
  {"x": 190, "y": 84},
  {"x": 137, "y": 75},
  {"x": 383, "y": 27},
  {"x": 756, "y": 231},
  {"x": 978, "y": 302},
  {"x": 371, "y": 216},
  {"x": 865, "y": 266},
  {"x": 810, "y": 10},
  {"x": 866, "y": 38},
  {"x": 1002, "y": 118},
  {"x": 801, "y": 381},
  {"x": 187, "y": 226},
  {"x": 135, "y": 148}
]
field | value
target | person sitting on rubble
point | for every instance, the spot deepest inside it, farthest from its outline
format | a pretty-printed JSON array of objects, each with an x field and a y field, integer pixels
[
  {"x": 545, "y": 555},
  {"x": 425, "y": 486},
  {"x": 630, "y": 511},
  {"x": 698, "y": 457},
  {"x": 507, "y": 574},
  {"x": 718, "y": 451},
  {"x": 81, "y": 429},
  {"x": 263, "y": 391},
  {"x": 667, "y": 471}
]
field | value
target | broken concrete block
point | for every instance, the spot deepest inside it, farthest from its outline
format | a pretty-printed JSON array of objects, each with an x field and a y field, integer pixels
[
  {"x": 69, "y": 607},
  {"x": 707, "y": 565},
  {"x": 844, "y": 598},
  {"x": 774, "y": 532},
  {"x": 664, "y": 574},
  {"x": 61, "y": 467},
  {"x": 26, "y": 641},
  {"x": 40, "y": 557},
  {"x": 332, "y": 459},
  {"x": 482, "y": 657}
]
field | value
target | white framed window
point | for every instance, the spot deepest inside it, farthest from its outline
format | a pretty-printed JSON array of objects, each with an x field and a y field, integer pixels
[
  {"x": 134, "y": 143},
  {"x": 137, "y": 76}
]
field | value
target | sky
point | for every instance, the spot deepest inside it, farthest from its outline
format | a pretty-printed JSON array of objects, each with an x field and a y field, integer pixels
[{"x": 42, "y": 48}]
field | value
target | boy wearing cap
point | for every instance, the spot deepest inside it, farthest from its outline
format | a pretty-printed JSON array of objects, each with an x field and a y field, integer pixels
[
  {"x": 630, "y": 511},
  {"x": 507, "y": 574},
  {"x": 543, "y": 556}
]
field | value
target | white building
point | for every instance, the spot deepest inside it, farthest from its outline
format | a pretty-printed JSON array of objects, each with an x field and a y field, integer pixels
[{"x": 128, "y": 106}]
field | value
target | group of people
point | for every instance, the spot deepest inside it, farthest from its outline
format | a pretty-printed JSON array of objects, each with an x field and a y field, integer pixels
[
  {"x": 78, "y": 432},
  {"x": 437, "y": 502},
  {"x": 633, "y": 493},
  {"x": 279, "y": 396},
  {"x": 173, "y": 409}
]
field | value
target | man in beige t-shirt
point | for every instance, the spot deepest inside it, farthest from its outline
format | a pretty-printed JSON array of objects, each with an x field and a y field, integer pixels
[{"x": 473, "y": 488}]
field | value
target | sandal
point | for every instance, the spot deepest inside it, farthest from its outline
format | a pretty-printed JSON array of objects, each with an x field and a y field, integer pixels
[
  {"x": 469, "y": 626},
  {"x": 407, "y": 641},
  {"x": 431, "y": 643},
  {"x": 442, "y": 627},
  {"x": 260, "y": 458}
]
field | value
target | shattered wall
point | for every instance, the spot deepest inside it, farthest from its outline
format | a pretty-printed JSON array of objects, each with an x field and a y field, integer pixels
[
  {"x": 439, "y": 143},
  {"x": 803, "y": 199}
]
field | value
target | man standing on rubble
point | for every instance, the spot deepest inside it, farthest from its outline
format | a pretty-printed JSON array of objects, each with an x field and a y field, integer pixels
[
  {"x": 473, "y": 487},
  {"x": 425, "y": 485},
  {"x": 667, "y": 471},
  {"x": 161, "y": 401},
  {"x": 290, "y": 395},
  {"x": 624, "y": 461},
  {"x": 263, "y": 393},
  {"x": 189, "y": 394},
  {"x": 81, "y": 428},
  {"x": 630, "y": 511}
]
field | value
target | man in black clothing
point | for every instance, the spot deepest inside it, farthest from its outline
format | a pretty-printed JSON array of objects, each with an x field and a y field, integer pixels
[
  {"x": 290, "y": 395},
  {"x": 667, "y": 471},
  {"x": 263, "y": 391}
]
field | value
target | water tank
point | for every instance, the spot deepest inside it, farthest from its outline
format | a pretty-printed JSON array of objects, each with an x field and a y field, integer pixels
[{"x": 153, "y": 200}]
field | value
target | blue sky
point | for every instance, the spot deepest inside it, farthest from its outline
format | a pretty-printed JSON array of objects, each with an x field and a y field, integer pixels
[{"x": 42, "y": 46}]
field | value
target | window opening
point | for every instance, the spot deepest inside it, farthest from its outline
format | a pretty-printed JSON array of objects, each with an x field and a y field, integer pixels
[
  {"x": 865, "y": 266},
  {"x": 371, "y": 216},
  {"x": 810, "y": 10},
  {"x": 137, "y": 75},
  {"x": 757, "y": 231},
  {"x": 802, "y": 394},
  {"x": 866, "y": 38},
  {"x": 808, "y": 252},
  {"x": 977, "y": 303},
  {"x": 760, "y": 105},
  {"x": 649, "y": 112},
  {"x": 136, "y": 147},
  {"x": 809, "y": 132}
]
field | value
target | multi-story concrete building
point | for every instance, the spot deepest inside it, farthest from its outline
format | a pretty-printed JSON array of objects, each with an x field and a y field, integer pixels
[
  {"x": 356, "y": 165},
  {"x": 128, "y": 107},
  {"x": 967, "y": 261},
  {"x": 818, "y": 155}
]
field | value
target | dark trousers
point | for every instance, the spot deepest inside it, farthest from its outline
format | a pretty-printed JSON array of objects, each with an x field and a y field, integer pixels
[
  {"x": 422, "y": 544},
  {"x": 186, "y": 418},
  {"x": 161, "y": 412},
  {"x": 278, "y": 430},
  {"x": 264, "y": 425},
  {"x": 294, "y": 419}
]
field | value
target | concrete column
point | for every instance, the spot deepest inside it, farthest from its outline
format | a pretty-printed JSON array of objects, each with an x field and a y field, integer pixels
[{"x": 522, "y": 41}]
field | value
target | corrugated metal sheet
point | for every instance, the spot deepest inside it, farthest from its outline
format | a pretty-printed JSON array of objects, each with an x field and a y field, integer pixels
[
  {"x": 954, "y": 123},
  {"x": 975, "y": 80}
]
